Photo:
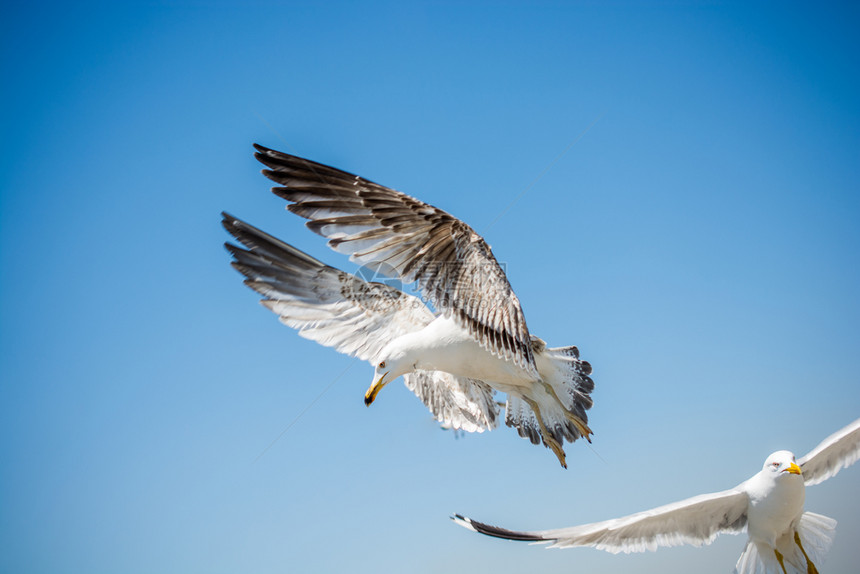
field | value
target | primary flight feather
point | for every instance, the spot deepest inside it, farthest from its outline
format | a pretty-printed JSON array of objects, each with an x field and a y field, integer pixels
[{"x": 472, "y": 343}]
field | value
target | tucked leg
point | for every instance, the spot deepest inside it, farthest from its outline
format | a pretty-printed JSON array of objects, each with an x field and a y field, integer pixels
[
  {"x": 580, "y": 424},
  {"x": 545, "y": 434},
  {"x": 810, "y": 567},
  {"x": 779, "y": 559}
]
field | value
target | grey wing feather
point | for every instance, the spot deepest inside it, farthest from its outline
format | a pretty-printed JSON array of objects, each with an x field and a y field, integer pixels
[
  {"x": 521, "y": 417},
  {"x": 839, "y": 450},
  {"x": 459, "y": 403},
  {"x": 453, "y": 266},
  {"x": 695, "y": 521},
  {"x": 325, "y": 304}
]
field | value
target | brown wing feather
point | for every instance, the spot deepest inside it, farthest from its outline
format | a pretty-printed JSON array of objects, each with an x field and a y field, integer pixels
[{"x": 453, "y": 266}]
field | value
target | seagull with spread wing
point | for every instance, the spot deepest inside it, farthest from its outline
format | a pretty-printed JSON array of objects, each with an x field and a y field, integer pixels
[
  {"x": 473, "y": 342},
  {"x": 782, "y": 537}
]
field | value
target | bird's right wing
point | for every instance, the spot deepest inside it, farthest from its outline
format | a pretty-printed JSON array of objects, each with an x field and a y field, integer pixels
[
  {"x": 695, "y": 521},
  {"x": 326, "y": 305},
  {"x": 839, "y": 450},
  {"x": 454, "y": 267},
  {"x": 458, "y": 403}
]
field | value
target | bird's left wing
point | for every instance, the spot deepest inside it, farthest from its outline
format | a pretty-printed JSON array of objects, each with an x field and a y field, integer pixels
[
  {"x": 839, "y": 450},
  {"x": 326, "y": 305},
  {"x": 695, "y": 521},
  {"x": 458, "y": 403}
]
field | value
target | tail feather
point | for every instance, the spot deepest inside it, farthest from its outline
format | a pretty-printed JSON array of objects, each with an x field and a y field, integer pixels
[
  {"x": 570, "y": 378},
  {"x": 816, "y": 534},
  {"x": 750, "y": 562},
  {"x": 567, "y": 392},
  {"x": 520, "y": 416},
  {"x": 559, "y": 426}
]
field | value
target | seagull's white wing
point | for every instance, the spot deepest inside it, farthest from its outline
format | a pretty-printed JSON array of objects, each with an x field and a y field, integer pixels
[
  {"x": 325, "y": 304},
  {"x": 695, "y": 521},
  {"x": 459, "y": 403},
  {"x": 375, "y": 225},
  {"x": 839, "y": 450}
]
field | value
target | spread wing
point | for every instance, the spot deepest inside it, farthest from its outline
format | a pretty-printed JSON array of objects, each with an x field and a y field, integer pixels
[
  {"x": 695, "y": 521},
  {"x": 839, "y": 450},
  {"x": 325, "y": 304},
  {"x": 375, "y": 225},
  {"x": 459, "y": 403}
]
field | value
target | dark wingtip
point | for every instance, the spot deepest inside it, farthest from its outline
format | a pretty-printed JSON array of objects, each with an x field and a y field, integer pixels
[
  {"x": 232, "y": 223},
  {"x": 228, "y": 223},
  {"x": 269, "y": 173},
  {"x": 586, "y": 367},
  {"x": 463, "y": 521},
  {"x": 495, "y": 531}
]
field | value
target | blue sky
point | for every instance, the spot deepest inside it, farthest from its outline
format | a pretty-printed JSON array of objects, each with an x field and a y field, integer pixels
[{"x": 688, "y": 216}]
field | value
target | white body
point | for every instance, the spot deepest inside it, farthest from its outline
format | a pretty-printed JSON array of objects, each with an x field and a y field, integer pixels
[
  {"x": 445, "y": 346},
  {"x": 546, "y": 403},
  {"x": 775, "y": 505}
]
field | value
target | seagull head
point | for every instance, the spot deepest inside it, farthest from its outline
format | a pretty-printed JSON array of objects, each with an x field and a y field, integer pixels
[
  {"x": 782, "y": 462},
  {"x": 390, "y": 365}
]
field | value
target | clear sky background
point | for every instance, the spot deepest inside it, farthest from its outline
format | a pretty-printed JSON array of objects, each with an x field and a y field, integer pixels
[{"x": 688, "y": 177}]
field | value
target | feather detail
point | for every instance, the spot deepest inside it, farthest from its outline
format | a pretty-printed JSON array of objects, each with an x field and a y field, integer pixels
[{"x": 452, "y": 265}]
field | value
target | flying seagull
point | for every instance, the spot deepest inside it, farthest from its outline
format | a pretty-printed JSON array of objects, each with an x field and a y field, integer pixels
[
  {"x": 454, "y": 356},
  {"x": 782, "y": 537}
]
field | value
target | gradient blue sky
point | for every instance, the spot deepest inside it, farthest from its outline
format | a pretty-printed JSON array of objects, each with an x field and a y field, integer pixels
[{"x": 700, "y": 243}]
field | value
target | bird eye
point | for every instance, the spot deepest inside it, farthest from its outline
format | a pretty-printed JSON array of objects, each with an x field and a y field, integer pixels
[
  {"x": 382, "y": 365},
  {"x": 775, "y": 464}
]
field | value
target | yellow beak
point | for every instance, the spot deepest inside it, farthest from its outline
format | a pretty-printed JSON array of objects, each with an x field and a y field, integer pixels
[
  {"x": 793, "y": 469},
  {"x": 374, "y": 389}
]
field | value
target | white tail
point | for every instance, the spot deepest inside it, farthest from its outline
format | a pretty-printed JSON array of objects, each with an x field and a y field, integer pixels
[
  {"x": 816, "y": 534},
  {"x": 562, "y": 401}
]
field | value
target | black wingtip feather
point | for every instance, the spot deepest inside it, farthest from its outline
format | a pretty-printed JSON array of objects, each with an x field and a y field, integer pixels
[
  {"x": 497, "y": 532},
  {"x": 256, "y": 240}
]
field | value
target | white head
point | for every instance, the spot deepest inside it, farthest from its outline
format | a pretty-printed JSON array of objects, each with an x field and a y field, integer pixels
[
  {"x": 780, "y": 463},
  {"x": 391, "y": 363}
]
